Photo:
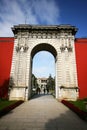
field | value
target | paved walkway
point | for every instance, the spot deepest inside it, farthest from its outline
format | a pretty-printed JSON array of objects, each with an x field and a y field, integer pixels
[{"x": 42, "y": 113}]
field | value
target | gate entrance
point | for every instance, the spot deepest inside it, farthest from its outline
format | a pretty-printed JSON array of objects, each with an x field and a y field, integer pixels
[
  {"x": 42, "y": 81},
  {"x": 30, "y": 39}
]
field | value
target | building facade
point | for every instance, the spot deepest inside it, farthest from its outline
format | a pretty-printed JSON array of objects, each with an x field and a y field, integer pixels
[{"x": 42, "y": 82}]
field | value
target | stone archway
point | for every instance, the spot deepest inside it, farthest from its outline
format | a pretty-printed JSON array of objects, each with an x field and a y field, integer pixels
[
  {"x": 44, "y": 47},
  {"x": 59, "y": 40}
]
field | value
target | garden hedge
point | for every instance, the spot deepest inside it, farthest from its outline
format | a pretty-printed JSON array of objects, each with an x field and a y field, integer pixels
[{"x": 82, "y": 114}]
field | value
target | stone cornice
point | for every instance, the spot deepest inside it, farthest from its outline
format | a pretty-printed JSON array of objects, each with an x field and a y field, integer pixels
[{"x": 44, "y": 28}]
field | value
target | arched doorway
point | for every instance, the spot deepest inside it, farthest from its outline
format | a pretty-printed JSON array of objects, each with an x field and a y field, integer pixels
[
  {"x": 44, "y": 48},
  {"x": 59, "y": 41}
]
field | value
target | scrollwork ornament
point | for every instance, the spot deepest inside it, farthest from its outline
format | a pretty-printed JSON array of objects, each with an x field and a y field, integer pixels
[
  {"x": 18, "y": 48},
  {"x": 21, "y": 48},
  {"x": 25, "y": 47}
]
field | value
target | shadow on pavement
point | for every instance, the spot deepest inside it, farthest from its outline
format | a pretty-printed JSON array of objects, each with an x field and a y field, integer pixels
[
  {"x": 66, "y": 121},
  {"x": 39, "y": 96}
]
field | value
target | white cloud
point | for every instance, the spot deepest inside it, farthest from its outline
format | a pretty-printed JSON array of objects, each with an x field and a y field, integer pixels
[
  {"x": 35, "y": 11},
  {"x": 13, "y": 12},
  {"x": 47, "y": 11}
]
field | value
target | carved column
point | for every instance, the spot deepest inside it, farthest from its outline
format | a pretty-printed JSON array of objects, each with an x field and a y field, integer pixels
[
  {"x": 68, "y": 86},
  {"x": 18, "y": 72}
]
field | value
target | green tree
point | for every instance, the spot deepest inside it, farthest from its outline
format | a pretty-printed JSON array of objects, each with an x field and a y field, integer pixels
[
  {"x": 34, "y": 81},
  {"x": 51, "y": 83}
]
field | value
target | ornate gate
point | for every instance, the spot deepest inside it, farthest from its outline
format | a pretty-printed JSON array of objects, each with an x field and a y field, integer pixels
[{"x": 30, "y": 39}]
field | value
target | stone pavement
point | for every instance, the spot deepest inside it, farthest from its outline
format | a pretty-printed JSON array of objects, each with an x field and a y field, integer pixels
[{"x": 42, "y": 113}]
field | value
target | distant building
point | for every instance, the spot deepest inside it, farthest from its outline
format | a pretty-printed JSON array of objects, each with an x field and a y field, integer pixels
[{"x": 42, "y": 82}]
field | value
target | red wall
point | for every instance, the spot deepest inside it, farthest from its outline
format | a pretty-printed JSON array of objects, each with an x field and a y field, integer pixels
[
  {"x": 81, "y": 60},
  {"x": 6, "y": 50}
]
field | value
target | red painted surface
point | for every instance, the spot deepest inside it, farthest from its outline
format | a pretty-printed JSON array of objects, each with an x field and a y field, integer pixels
[
  {"x": 6, "y": 50},
  {"x": 81, "y": 60}
]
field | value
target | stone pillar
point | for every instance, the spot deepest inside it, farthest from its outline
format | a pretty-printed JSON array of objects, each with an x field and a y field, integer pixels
[
  {"x": 19, "y": 90},
  {"x": 56, "y": 79},
  {"x": 68, "y": 83}
]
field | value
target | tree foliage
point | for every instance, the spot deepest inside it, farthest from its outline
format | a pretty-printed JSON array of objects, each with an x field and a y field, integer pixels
[
  {"x": 34, "y": 81},
  {"x": 51, "y": 82}
]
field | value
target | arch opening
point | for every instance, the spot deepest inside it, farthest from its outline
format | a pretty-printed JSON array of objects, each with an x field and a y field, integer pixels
[
  {"x": 43, "y": 64},
  {"x": 45, "y": 49}
]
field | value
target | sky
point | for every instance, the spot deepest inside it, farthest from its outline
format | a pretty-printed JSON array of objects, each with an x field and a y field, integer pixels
[{"x": 43, "y": 12}]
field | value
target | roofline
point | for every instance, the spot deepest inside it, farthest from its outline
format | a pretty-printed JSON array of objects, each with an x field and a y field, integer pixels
[{"x": 28, "y": 27}]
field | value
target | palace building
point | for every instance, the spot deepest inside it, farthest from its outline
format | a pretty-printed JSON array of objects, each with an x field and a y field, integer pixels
[{"x": 42, "y": 82}]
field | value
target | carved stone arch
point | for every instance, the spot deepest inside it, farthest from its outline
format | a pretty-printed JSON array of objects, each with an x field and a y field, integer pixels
[
  {"x": 44, "y": 47},
  {"x": 60, "y": 43}
]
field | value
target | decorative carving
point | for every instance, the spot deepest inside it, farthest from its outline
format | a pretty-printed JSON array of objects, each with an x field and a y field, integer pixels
[
  {"x": 25, "y": 47},
  {"x": 62, "y": 48},
  {"x": 68, "y": 47},
  {"x": 64, "y": 87},
  {"x": 18, "y": 48},
  {"x": 22, "y": 48},
  {"x": 44, "y": 35}
]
